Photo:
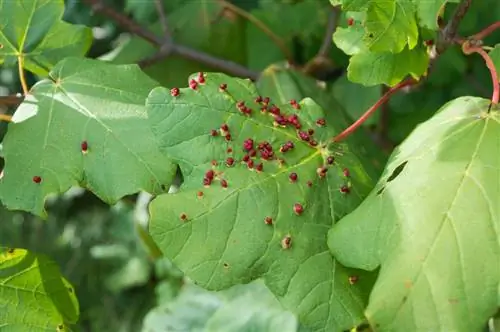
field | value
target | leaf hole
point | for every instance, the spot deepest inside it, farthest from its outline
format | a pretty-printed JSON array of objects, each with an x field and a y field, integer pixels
[{"x": 396, "y": 172}]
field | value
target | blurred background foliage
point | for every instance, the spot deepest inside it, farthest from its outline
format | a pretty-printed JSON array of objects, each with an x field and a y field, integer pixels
[{"x": 103, "y": 250}]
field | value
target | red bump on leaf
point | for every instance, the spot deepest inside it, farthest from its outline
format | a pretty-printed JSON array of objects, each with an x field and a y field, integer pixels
[
  {"x": 229, "y": 161},
  {"x": 240, "y": 104},
  {"x": 229, "y": 150},
  {"x": 214, "y": 162},
  {"x": 223, "y": 87},
  {"x": 84, "y": 146},
  {"x": 309, "y": 183},
  {"x": 37, "y": 179},
  {"x": 345, "y": 189},
  {"x": 294, "y": 104},
  {"x": 250, "y": 164},
  {"x": 330, "y": 160},
  {"x": 275, "y": 110},
  {"x": 350, "y": 21},
  {"x": 293, "y": 177},
  {"x": 201, "y": 78},
  {"x": 321, "y": 122},
  {"x": 346, "y": 172},
  {"x": 321, "y": 171},
  {"x": 210, "y": 174},
  {"x": 266, "y": 101},
  {"x": 310, "y": 131},
  {"x": 245, "y": 158},
  {"x": 183, "y": 217},
  {"x": 223, "y": 183},
  {"x": 214, "y": 132},
  {"x": 258, "y": 99},
  {"x": 224, "y": 127},
  {"x": 353, "y": 279},
  {"x": 259, "y": 167},
  {"x": 200, "y": 194},
  {"x": 286, "y": 243},
  {"x": 313, "y": 143},
  {"x": 193, "y": 84},
  {"x": 174, "y": 92},
  {"x": 268, "y": 220},
  {"x": 429, "y": 42},
  {"x": 303, "y": 136},
  {"x": 248, "y": 144},
  {"x": 298, "y": 209},
  {"x": 252, "y": 153},
  {"x": 207, "y": 182},
  {"x": 228, "y": 137}
]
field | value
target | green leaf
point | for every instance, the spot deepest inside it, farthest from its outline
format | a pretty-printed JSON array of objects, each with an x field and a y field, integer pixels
[
  {"x": 249, "y": 307},
  {"x": 432, "y": 224},
  {"x": 390, "y": 25},
  {"x": 33, "y": 30},
  {"x": 387, "y": 68},
  {"x": 33, "y": 294},
  {"x": 83, "y": 101},
  {"x": 350, "y": 40},
  {"x": 220, "y": 238},
  {"x": 495, "y": 56},
  {"x": 428, "y": 12}
]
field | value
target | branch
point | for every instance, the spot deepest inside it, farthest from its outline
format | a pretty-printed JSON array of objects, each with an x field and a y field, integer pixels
[
  {"x": 169, "y": 47},
  {"x": 11, "y": 100},
  {"x": 449, "y": 32},
  {"x": 163, "y": 19},
  {"x": 467, "y": 48},
  {"x": 331, "y": 25},
  {"x": 372, "y": 109}
]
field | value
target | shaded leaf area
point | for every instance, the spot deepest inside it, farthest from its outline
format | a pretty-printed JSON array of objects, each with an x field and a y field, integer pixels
[
  {"x": 33, "y": 30},
  {"x": 265, "y": 217},
  {"x": 202, "y": 25},
  {"x": 86, "y": 125},
  {"x": 432, "y": 224},
  {"x": 34, "y": 294},
  {"x": 250, "y": 307},
  {"x": 283, "y": 84}
]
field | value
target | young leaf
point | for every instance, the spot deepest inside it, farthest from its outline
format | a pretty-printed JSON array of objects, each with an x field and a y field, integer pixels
[
  {"x": 429, "y": 10},
  {"x": 85, "y": 125},
  {"x": 249, "y": 307},
  {"x": 370, "y": 68},
  {"x": 34, "y": 31},
  {"x": 33, "y": 294},
  {"x": 432, "y": 224},
  {"x": 390, "y": 25},
  {"x": 245, "y": 224}
]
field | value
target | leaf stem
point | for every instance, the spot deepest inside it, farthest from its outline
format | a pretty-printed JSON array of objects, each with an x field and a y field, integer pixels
[
  {"x": 22, "y": 78},
  {"x": 467, "y": 48},
  {"x": 487, "y": 31},
  {"x": 372, "y": 109},
  {"x": 262, "y": 26}
]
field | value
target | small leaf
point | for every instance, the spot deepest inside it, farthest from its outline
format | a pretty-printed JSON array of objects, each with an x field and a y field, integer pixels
[
  {"x": 429, "y": 10},
  {"x": 33, "y": 294},
  {"x": 390, "y": 25},
  {"x": 34, "y": 31},
  {"x": 387, "y": 68},
  {"x": 86, "y": 125},
  {"x": 223, "y": 237},
  {"x": 434, "y": 212},
  {"x": 250, "y": 307},
  {"x": 495, "y": 56}
]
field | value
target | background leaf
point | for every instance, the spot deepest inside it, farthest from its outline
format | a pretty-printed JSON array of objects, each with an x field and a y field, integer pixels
[
  {"x": 249, "y": 307},
  {"x": 495, "y": 56},
  {"x": 33, "y": 294},
  {"x": 426, "y": 238},
  {"x": 429, "y": 10},
  {"x": 185, "y": 225},
  {"x": 32, "y": 30},
  {"x": 84, "y": 102}
]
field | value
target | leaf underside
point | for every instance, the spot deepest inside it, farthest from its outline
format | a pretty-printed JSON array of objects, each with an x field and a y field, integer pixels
[
  {"x": 432, "y": 223},
  {"x": 33, "y": 294},
  {"x": 91, "y": 103},
  {"x": 218, "y": 236}
]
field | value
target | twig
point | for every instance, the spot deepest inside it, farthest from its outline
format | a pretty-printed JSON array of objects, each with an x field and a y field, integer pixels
[
  {"x": 372, "y": 109},
  {"x": 331, "y": 25},
  {"x": 163, "y": 19},
  {"x": 22, "y": 78},
  {"x": 169, "y": 47},
  {"x": 487, "y": 31},
  {"x": 449, "y": 32},
  {"x": 262, "y": 26},
  {"x": 5, "y": 117},
  {"x": 11, "y": 100},
  {"x": 469, "y": 49}
]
